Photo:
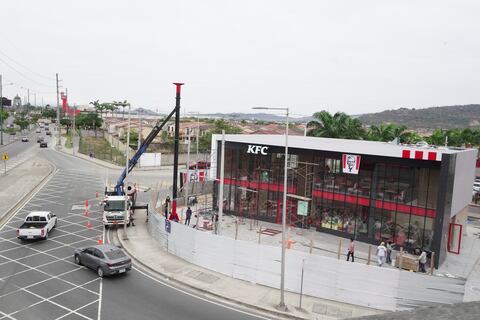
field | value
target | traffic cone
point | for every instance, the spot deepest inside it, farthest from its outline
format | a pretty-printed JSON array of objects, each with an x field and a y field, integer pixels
[
  {"x": 100, "y": 241},
  {"x": 96, "y": 194},
  {"x": 86, "y": 203},
  {"x": 86, "y": 212},
  {"x": 89, "y": 225}
]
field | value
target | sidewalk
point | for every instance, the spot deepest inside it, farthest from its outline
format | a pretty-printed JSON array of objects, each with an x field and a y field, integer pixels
[
  {"x": 20, "y": 182},
  {"x": 99, "y": 162},
  {"x": 271, "y": 234},
  {"x": 143, "y": 248}
]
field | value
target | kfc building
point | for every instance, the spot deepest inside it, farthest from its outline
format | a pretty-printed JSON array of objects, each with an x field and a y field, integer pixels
[{"x": 415, "y": 197}]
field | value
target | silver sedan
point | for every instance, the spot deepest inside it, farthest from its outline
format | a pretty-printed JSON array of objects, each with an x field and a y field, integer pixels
[{"x": 105, "y": 259}]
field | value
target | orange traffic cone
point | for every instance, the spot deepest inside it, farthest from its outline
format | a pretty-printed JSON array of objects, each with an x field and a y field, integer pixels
[
  {"x": 89, "y": 225},
  {"x": 100, "y": 241},
  {"x": 86, "y": 203},
  {"x": 86, "y": 212}
]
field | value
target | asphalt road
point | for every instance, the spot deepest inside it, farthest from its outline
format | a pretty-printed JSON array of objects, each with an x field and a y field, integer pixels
[{"x": 39, "y": 280}]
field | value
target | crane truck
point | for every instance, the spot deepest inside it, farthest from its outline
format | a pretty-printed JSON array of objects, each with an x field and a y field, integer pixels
[{"x": 116, "y": 199}]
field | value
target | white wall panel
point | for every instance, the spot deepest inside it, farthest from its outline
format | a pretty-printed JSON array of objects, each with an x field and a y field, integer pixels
[{"x": 324, "y": 277}]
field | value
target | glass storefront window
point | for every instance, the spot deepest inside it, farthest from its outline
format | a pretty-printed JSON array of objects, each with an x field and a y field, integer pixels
[{"x": 385, "y": 201}]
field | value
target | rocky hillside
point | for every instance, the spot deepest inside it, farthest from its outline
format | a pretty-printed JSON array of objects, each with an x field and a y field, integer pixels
[{"x": 436, "y": 117}]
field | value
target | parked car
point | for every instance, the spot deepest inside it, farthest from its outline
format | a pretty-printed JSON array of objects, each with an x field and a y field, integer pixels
[
  {"x": 24, "y": 139},
  {"x": 200, "y": 165},
  {"x": 43, "y": 144},
  {"x": 105, "y": 259},
  {"x": 37, "y": 225}
]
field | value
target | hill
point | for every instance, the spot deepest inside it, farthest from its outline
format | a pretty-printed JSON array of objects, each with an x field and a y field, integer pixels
[{"x": 437, "y": 117}]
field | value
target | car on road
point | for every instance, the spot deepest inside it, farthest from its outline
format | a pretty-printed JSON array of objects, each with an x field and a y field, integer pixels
[
  {"x": 43, "y": 144},
  {"x": 37, "y": 131},
  {"x": 105, "y": 259},
  {"x": 40, "y": 139},
  {"x": 24, "y": 139},
  {"x": 48, "y": 133},
  {"x": 37, "y": 225},
  {"x": 200, "y": 165}
]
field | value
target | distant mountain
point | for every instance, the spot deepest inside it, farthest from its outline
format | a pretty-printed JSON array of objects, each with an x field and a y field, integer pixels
[
  {"x": 144, "y": 111},
  {"x": 254, "y": 117},
  {"x": 461, "y": 116}
]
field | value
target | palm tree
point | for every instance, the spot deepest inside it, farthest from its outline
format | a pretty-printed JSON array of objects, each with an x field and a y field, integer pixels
[
  {"x": 327, "y": 126},
  {"x": 382, "y": 132}
]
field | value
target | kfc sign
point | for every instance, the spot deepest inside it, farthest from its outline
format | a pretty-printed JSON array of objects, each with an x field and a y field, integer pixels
[
  {"x": 257, "y": 149},
  {"x": 351, "y": 163}
]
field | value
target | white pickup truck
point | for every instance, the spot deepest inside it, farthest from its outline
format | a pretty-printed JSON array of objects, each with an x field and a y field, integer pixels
[{"x": 37, "y": 225}]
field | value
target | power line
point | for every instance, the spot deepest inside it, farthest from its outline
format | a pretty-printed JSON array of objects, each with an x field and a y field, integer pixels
[
  {"x": 25, "y": 67},
  {"x": 23, "y": 75}
]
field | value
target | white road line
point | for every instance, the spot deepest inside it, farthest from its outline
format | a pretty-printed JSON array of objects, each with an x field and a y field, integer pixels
[
  {"x": 46, "y": 273},
  {"x": 52, "y": 302},
  {"x": 77, "y": 309},
  {"x": 99, "y": 312}
]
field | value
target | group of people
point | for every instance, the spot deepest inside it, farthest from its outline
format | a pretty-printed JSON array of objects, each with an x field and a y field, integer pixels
[{"x": 384, "y": 254}]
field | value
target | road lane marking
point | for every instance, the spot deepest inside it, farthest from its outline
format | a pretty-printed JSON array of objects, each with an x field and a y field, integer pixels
[{"x": 194, "y": 295}]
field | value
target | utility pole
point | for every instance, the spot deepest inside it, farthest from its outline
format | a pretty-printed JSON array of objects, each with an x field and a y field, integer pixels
[
  {"x": 220, "y": 191},
  {"x": 58, "y": 114},
  {"x": 125, "y": 236},
  {"x": 187, "y": 181},
  {"x": 177, "y": 138},
  {"x": 73, "y": 131},
  {"x": 1, "y": 112}
]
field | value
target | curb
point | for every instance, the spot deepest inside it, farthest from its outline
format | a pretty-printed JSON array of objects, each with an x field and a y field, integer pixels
[
  {"x": 109, "y": 165},
  {"x": 9, "y": 213},
  {"x": 232, "y": 301}
]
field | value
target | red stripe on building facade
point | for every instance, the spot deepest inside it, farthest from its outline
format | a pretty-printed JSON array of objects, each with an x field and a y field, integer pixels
[
  {"x": 419, "y": 155},
  {"x": 406, "y": 154}
]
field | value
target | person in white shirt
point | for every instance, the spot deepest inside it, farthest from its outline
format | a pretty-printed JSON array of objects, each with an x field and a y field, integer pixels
[
  {"x": 381, "y": 253},
  {"x": 422, "y": 261}
]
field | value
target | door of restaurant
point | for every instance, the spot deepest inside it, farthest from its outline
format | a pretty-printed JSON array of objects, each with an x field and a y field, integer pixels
[{"x": 292, "y": 218}]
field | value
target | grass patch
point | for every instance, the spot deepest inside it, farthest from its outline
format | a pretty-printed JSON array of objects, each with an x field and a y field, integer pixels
[
  {"x": 100, "y": 148},
  {"x": 68, "y": 141}
]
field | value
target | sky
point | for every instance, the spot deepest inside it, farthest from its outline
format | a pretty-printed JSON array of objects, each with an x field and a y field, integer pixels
[{"x": 308, "y": 55}]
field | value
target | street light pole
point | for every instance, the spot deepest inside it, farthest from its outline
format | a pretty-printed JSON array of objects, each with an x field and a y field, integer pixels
[
  {"x": 281, "y": 305},
  {"x": 125, "y": 236},
  {"x": 1, "y": 111},
  {"x": 58, "y": 115}
]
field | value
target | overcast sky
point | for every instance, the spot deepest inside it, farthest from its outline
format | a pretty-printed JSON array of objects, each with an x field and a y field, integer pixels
[{"x": 352, "y": 56}]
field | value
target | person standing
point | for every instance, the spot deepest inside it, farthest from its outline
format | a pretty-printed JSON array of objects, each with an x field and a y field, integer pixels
[
  {"x": 389, "y": 252},
  {"x": 167, "y": 206},
  {"x": 351, "y": 250},
  {"x": 422, "y": 261},
  {"x": 189, "y": 215},
  {"x": 381, "y": 253}
]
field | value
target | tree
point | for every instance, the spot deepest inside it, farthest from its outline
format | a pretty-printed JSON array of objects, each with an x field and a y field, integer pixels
[
  {"x": 4, "y": 115},
  {"x": 327, "y": 126},
  {"x": 133, "y": 137},
  {"x": 49, "y": 113},
  {"x": 21, "y": 121},
  {"x": 66, "y": 122},
  {"x": 205, "y": 141}
]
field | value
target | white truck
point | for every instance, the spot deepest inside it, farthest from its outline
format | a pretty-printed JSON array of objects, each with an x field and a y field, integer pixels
[
  {"x": 114, "y": 210},
  {"x": 37, "y": 225}
]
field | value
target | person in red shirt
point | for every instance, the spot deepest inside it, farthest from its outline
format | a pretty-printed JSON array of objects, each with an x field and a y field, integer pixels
[
  {"x": 173, "y": 216},
  {"x": 351, "y": 250}
]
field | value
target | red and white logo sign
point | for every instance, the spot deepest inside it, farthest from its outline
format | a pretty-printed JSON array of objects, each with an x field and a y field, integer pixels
[
  {"x": 194, "y": 176},
  {"x": 350, "y": 163}
]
